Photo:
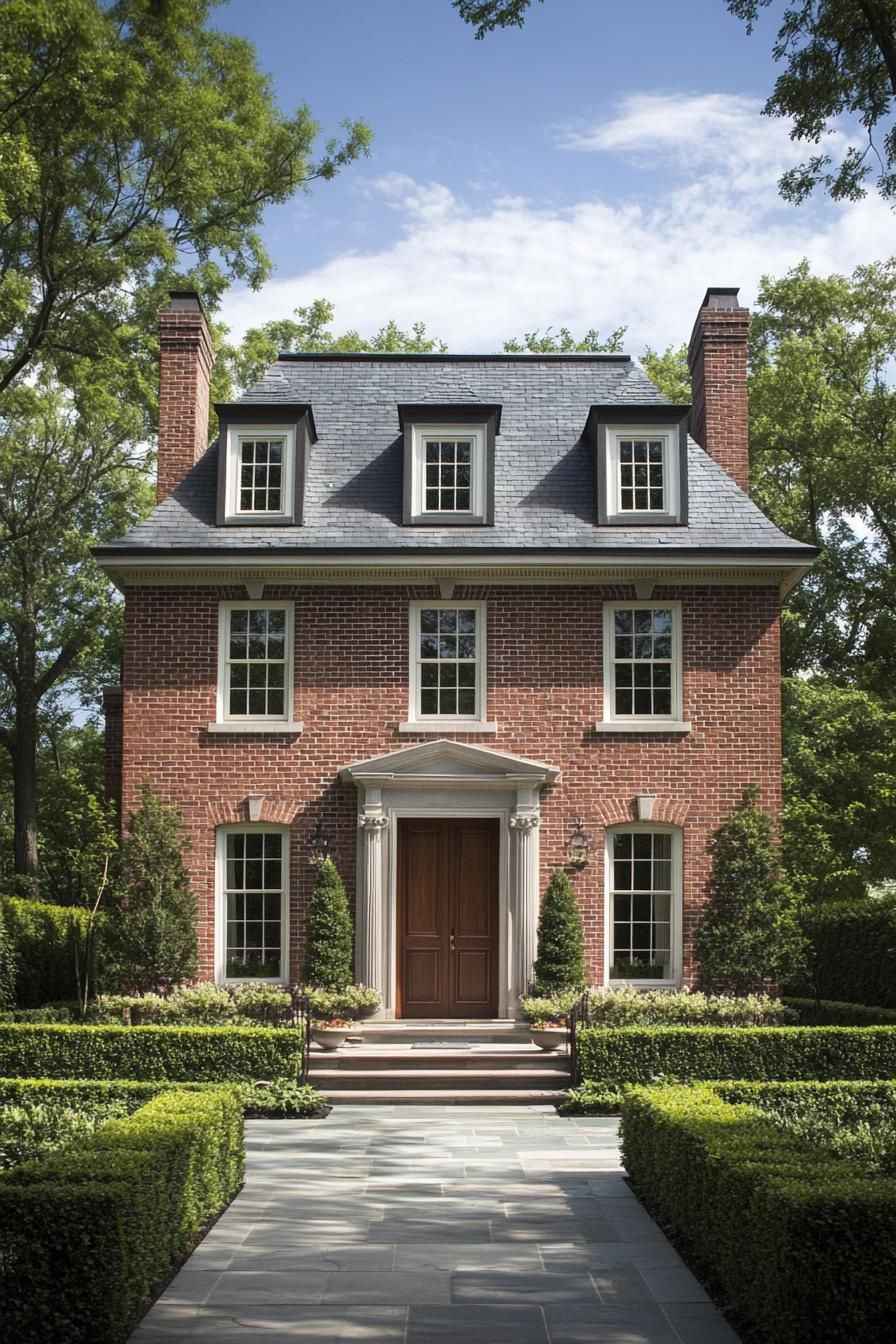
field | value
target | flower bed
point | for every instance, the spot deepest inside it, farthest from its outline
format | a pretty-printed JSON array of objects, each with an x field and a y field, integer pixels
[
  {"x": 90, "y": 1231},
  {"x": 800, "y": 1241}
]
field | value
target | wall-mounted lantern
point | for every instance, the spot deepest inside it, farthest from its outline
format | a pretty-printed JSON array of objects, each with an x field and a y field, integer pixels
[
  {"x": 579, "y": 844},
  {"x": 319, "y": 843}
]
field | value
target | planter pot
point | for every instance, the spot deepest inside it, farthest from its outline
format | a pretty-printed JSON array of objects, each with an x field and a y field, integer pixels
[
  {"x": 329, "y": 1038},
  {"x": 548, "y": 1038},
  {"x": 368, "y": 1010}
]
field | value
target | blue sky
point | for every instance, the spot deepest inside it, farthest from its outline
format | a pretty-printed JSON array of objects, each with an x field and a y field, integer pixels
[{"x": 598, "y": 168}]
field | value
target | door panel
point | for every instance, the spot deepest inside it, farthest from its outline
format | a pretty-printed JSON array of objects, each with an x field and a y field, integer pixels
[{"x": 447, "y": 918}]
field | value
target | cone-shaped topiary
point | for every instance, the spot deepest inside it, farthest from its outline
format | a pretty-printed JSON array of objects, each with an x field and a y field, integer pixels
[
  {"x": 328, "y": 960},
  {"x": 749, "y": 935},
  {"x": 561, "y": 940}
]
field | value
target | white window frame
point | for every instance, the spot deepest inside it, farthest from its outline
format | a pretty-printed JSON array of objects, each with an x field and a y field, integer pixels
[
  {"x": 476, "y": 433},
  {"x": 234, "y": 721},
  {"x": 471, "y": 723},
  {"x": 677, "y": 903},
  {"x": 221, "y": 834},
  {"x": 235, "y": 436},
  {"x": 642, "y": 722},
  {"x": 669, "y": 435}
]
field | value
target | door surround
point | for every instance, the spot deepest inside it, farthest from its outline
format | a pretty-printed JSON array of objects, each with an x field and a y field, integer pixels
[{"x": 452, "y": 780}]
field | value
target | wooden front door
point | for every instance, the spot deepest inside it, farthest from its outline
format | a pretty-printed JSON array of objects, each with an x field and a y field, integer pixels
[{"x": 447, "y": 918}]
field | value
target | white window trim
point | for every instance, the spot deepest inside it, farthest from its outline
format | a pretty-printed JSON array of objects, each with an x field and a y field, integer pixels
[
  {"x": 422, "y": 432},
  {"x": 221, "y": 976},
  {"x": 669, "y": 434},
  {"x": 675, "y": 924},
  {"x": 226, "y": 722},
  {"x": 641, "y": 723},
  {"x": 469, "y": 723},
  {"x": 235, "y": 435}
]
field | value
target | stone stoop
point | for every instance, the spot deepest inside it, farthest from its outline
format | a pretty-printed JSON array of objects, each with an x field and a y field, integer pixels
[{"x": 406, "y": 1063}]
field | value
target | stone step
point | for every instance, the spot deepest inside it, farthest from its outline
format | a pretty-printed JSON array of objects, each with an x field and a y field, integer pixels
[
  {"x": 350, "y": 1058},
  {"x": 333, "y": 1081},
  {"x": 409, "y": 1031},
  {"x": 456, "y": 1097}
]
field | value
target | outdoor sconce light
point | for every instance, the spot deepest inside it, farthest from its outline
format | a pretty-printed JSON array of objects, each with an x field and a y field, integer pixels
[
  {"x": 578, "y": 844},
  {"x": 319, "y": 843}
]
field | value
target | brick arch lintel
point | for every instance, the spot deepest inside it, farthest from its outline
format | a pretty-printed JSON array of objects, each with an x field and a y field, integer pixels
[
  {"x": 274, "y": 811},
  {"x": 618, "y": 811}
]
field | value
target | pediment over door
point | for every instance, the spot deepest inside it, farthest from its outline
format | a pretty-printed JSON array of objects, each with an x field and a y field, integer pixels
[{"x": 445, "y": 763}]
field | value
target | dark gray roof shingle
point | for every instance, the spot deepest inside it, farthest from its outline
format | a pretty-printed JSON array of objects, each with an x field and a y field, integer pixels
[{"x": 544, "y": 473}]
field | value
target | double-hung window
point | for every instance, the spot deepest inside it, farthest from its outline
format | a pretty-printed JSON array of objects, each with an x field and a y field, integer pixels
[
  {"x": 644, "y": 904},
  {"x": 255, "y": 663},
  {"x": 253, "y": 903},
  {"x": 642, "y": 474},
  {"x": 642, "y": 663},
  {"x": 260, "y": 485},
  {"x": 447, "y": 671},
  {"x": 449, "y": 473}
]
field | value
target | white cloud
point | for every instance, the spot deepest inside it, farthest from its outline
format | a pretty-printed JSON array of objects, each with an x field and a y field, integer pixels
[{"x": 477, "y": 275}]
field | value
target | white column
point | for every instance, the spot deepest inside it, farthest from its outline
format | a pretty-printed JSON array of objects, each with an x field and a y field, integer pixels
[
  {"x": 369, "y": 933},
  {"x": 524, "y": 921}
]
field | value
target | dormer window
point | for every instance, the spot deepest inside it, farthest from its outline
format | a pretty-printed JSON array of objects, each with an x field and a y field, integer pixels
[
  {"x": 263, "y": 463},
  {"x": 449, "y": 463},
  {"x": 640, "y": 455}
]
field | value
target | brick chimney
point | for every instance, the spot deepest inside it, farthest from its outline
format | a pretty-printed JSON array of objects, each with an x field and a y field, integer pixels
[
  {"x": 185, "y": 371},
  {"x": 717, "y": 362}
]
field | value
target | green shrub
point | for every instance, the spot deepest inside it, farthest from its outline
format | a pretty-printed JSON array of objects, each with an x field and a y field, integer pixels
[
  {"x": 8, "y": 968},
  {"x": 560, "y": 964},
  {"x": 549, "y": 1007},
  {"x": 613, "y": 1056},
  {"x": 51, "y": 1012},
  {"x": 174, "y": 1054},
  {"x": 89, "y": 1232},
  {"x": 44, "y": 939},
  {"x": 748, "y": 934},
  {"x": 624, "y": 1006},
  {"x": 33, "y": 1127},
  {"x": 279, "y": 1098},
  {"x": 328, "y": 959},
  {"x": 796, "y": 1240},
  {"x": 854, "y": 950},
  {"x": 827, "y": 1013},
  {"x": 205, "y": 1005}
]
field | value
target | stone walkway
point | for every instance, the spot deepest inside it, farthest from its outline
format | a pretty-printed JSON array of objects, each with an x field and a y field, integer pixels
[{"x": 435, "y": 1225}]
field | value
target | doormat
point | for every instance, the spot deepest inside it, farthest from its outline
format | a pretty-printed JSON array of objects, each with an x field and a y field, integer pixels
[{"x": 441, "y": 1045}]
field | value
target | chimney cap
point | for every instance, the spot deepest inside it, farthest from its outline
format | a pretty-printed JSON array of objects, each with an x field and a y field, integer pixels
[
  {"x": 721, "y": 296},
  {"x": 185, "y": 300}
]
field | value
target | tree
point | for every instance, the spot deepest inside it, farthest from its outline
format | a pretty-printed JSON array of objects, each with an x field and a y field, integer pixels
[
  {"x": 67, "y": 481},
  {"x": 487, "y": 15},
  {"x": 329, "y": 953},
  {"x": 840, "y": 60},
  {"x": 748, "y": 936},
  {"x": 669, "y": 371},
  {"x": 839, "y": 819},
  {"x": 138, "y": 143},
  {"x": 150, "y": 936},
  {"x": 560, "y": 964},
  {"x": 562, "y": 342},
  {"x": 239, "y": 366}
]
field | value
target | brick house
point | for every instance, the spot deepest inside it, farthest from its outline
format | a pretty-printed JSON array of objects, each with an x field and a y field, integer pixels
[{"x": 457, "y": 620}]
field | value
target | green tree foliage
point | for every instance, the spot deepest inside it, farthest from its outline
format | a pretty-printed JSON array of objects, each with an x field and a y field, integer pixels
[
  {"x": 563, "y": 342},
  {"x": 840, "y": 788},
  {"x": 139, "y": 143},
  {"x": 560, "y": 963},
  {"x": 840, "y": 60},
  {"x": 328, "y": 958},
  {"x": 487, "y": 15},
  {"x": 748, "y": 935},
  {"x": 823, "y": 454},
  {"x": 309, "y": 329},
  {"x": 150, "y": 939},
  {"x": 669, "y": 371}
]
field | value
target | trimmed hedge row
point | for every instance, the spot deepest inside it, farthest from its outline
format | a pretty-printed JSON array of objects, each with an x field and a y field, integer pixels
[
  {"x": 829, "y": 1013},
  {"x": 88, "y": 1234},
  {"x": 172, "y": 1054},
  {"x": 613, "y": 1056},
  {"x": 854, "y": 950},
  {"x": 43, "y": 939},
  {"x": 801, "y": 1245}
]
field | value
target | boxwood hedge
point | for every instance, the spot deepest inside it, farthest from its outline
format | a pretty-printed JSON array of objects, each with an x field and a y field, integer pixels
[
  {"x": 798, "y": 1242},
  {"x": 829, "y": 1013},
  {"x": 611, "y": 1057},
  {"x": 88, "y": 1233},
  {"x": 43, "y": 939},
  {"x": 172, "y": 1054}
]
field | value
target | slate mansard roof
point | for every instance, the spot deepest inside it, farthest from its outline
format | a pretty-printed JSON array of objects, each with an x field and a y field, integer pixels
[{"x": 544, "y": 468}]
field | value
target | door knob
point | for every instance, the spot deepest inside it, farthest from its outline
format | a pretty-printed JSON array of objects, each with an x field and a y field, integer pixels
[{"x": 452, "y": 941}]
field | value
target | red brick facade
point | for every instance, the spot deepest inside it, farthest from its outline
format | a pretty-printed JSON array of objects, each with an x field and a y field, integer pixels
[
  {"x": 185, "y": 359},
  {"x": 545, "y": 691}
]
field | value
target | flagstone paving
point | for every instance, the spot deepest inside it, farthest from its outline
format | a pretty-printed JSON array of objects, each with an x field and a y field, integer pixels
[{"x": 435, "y": 1225}]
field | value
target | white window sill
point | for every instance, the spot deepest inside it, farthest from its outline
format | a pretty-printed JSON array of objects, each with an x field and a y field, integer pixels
[
  {"x": 256, "y": 726},
  {"x": 644, "y": 984},
  {"x": 447, "y": 726},
  {"x": 642, "y": 726}
]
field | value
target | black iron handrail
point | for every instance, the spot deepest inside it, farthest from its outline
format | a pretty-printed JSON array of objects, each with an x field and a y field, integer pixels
[
  {"x": 579, "y": 1015},
  {"x": 302, "y": 1012}
]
